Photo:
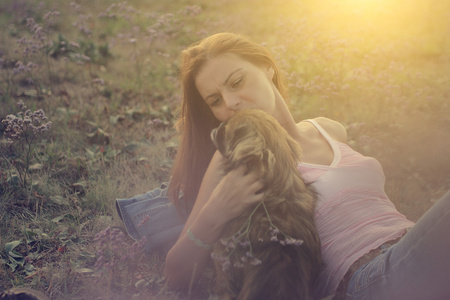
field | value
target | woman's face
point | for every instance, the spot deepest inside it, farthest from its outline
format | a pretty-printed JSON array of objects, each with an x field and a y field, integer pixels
[{"x": 228, "y": 83}]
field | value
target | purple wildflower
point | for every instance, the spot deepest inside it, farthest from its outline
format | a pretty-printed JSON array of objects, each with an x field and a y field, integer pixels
[{"x": 114, "y": 250}]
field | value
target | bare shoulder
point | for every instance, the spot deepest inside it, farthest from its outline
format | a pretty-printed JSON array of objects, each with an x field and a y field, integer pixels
[{"x": 335, "y": 129}]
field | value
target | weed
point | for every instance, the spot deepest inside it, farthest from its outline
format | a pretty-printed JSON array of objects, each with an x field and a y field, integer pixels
[
  {"x": 116, "y": 256},
  {"x": 23, "y": 132}
]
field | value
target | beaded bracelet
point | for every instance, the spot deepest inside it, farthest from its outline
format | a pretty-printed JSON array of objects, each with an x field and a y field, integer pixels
[{"x": 197, "y": 241}]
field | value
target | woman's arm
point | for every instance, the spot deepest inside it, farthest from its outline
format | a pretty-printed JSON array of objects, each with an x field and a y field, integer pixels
[{"x": 220, "y": 199}]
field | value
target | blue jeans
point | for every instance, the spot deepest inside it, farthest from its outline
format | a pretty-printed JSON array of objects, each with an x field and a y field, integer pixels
[
  {"x": 151, "y": 216},
  {"x": 416, "y": 268}
]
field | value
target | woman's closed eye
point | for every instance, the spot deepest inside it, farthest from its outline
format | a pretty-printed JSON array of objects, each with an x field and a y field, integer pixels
[
  {"x": 238, "y": 82},
  {"x": 216, "y": 101}
]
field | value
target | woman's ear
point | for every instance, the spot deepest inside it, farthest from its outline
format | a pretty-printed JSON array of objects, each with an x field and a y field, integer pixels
[{"x": 270, "y": 72}]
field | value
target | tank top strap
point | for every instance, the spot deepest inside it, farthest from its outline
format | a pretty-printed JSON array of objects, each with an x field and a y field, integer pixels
[
  {"x": 321, "y": 130},
  {"x": 332, "y": 142}
]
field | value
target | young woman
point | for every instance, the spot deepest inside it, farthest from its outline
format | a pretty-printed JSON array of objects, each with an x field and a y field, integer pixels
[{"x": 370, "y": 250}]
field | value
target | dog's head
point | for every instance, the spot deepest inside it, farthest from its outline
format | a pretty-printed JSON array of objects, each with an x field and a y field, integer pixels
[{"x": 255, "y": 139}]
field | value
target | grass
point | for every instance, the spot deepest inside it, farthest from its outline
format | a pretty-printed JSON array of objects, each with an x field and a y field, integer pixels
[{"x": 379, "y": 67}]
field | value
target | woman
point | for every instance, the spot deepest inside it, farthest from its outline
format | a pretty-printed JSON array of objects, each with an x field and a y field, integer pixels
[{"x": 370, "y": 250}]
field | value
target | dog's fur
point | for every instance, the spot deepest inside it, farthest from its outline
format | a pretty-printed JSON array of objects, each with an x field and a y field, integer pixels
[{"x": 256, "y": 140}]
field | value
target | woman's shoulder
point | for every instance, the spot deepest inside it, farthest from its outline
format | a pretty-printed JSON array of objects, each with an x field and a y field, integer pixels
[{"x": 335, "y": 129}]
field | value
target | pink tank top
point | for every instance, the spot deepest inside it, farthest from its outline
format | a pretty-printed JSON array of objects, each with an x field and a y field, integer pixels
[{"x": 353, "y": 213}]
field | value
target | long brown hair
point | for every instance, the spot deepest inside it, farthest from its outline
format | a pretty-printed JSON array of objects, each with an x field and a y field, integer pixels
[{"x": 196, "y": 119}]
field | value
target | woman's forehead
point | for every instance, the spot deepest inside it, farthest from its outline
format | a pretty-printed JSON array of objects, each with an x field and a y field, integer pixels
[
  {"x": 223, "y": 61},
  {"x": 217, "y": 70}
]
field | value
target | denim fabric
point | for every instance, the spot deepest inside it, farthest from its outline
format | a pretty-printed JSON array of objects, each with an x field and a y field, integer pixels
[
  {"x": 153, "y": 216},
  {"x": 416, "y": 268}
]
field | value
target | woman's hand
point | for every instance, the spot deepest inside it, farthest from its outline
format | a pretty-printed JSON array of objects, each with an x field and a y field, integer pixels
[
  {"x": 235, "y": 192},
  {"x": 220, "y": 199}
]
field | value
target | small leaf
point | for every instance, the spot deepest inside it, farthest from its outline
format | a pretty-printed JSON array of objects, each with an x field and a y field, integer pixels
[
  {"x": 80, "y": 184},
  {"x": 12, "y": 265},
  {"x": 90, "y": 153},
  {"x": 36, "y": 167},
  {"x": 92, "y": 124},
  {"x": 14, "y": 255},
  {"x": 11, "y": 245},
  {"x": 57, "y": 219},
  {"x": 130, "y": 147},
  {"x": 13, "y": 262},
  {"x": 59, "y": 200},
  {"x": 31, "y": 93},
  {"x": 99, "y": 136},
  {"x": 84, "y": 270},
  {"x": 29, "y": 269},
  {"x": 87, "y": 254},
  {"x": 114, "y": 120},
  {"x": 134, "y": 112},
  {"x": 13, "y": 180},
  {"x": 141, "y": 284}
]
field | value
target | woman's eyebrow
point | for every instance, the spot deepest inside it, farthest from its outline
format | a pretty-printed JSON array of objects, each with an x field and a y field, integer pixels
[{"x": 231, "y": 74}]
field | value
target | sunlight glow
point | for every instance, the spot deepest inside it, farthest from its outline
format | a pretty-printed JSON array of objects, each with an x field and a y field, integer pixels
[{"x": 422, "y": 22}]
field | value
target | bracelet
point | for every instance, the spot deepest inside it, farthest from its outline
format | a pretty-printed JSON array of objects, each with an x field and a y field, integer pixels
[{"x": 197, "y": 241}]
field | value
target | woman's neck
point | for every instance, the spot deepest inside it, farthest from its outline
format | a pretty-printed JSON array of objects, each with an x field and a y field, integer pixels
[{"x": 284, "y": 117}]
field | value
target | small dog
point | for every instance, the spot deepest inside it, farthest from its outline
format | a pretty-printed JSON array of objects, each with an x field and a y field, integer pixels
[{"x": 273, "y": 250}]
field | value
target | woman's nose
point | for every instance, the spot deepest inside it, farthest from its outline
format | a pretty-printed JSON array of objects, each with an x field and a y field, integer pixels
[{"x": 232, "y": 101}]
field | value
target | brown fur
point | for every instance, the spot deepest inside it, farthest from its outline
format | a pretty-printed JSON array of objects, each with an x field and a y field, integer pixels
[{"x": 255, "y": 139}]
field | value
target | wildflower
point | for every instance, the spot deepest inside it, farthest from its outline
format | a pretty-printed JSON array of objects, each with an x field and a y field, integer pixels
[
  {"x": 240, "y": 240},
  {"x": 255, "y": 262},
  {"x": 226, "y": 265},
  {"x": 155, "y": 122},
  {"x": 192, "y": 10},
  {"x": 98, "y": 81},
  {"x": 245, "y": 244},
  {"x": 114, "y": 250},
  {"x": 50, "y": 17},
  {"x": 82, "y": 22},
  {"x": 74, "y": 45},
  {"x": 25, "y": 121}
]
